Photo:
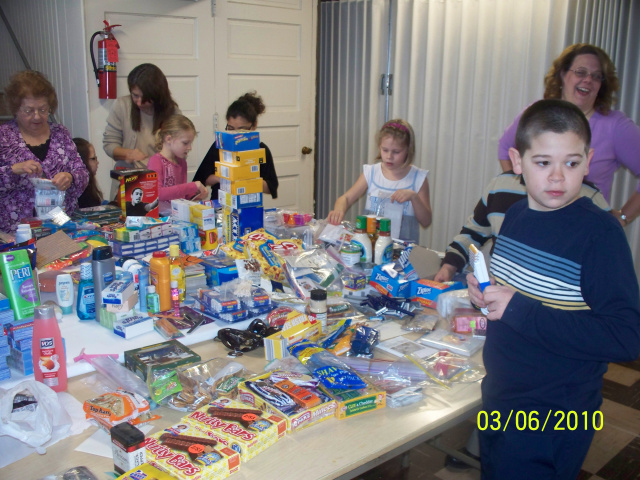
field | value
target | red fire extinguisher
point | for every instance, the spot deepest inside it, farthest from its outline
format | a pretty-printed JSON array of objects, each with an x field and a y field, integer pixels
[{"x": 106, "y": 71}]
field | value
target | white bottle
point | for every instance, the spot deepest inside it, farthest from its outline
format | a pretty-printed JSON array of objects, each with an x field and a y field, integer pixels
[
  {"x": 361, "y": 240},
  {"x": 384, "y": 244},
  {"x": 23, "y": 233},
  {"x": 64, "y": 292}
]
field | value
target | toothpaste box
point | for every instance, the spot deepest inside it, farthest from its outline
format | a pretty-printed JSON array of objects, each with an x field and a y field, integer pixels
[
  {"x": 133, "y": 326},
  {"x": 238, "y": 141},
  {"x": 388, "y": 285},
  {"x": 427, "y": 291},
  {"x": 247, "y": 430},
  {"x": 239, "y": 201},
  {"x": 237, "y": 172},
  {"x": 243, "y": 158},
  {"x": 188, "y": 451},
  {"x": 118, "y": 291},
  {"x": 299, "y": 419},
  {"x": 241, "y": 187}
]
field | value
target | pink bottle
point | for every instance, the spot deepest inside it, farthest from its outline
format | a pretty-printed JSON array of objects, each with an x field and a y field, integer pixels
[{"x": 47, "y": 349}]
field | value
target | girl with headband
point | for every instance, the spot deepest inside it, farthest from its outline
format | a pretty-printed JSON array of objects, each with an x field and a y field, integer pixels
[{"x": 393, "y": 180}]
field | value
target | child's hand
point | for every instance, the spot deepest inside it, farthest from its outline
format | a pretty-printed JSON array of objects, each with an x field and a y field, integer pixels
[
  {"x": 335, "y": 217},
  {"x": 202, "y": 191},
  {"x": 401, "y": 196}
]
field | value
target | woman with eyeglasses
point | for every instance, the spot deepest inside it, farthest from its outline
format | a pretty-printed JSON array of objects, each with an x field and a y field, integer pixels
[
  {"x": 33, "y": 146},
  {"x": 241, "y": 115},
  {"x": 129, "y": 137},
  {"x": 92, "y": 195},
  {"x": 584, "y": 75}
]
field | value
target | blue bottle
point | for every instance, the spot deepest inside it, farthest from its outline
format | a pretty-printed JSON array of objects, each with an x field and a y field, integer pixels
[
  {"x": 86, "y": 303},
  {"x": 143, "y": 279}
]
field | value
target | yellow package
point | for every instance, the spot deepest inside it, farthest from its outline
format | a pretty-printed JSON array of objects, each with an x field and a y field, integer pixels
[{"x": 145, "y": 471}]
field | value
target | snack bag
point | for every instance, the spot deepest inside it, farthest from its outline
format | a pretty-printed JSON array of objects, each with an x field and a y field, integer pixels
[{"x": 112, "y": 408}]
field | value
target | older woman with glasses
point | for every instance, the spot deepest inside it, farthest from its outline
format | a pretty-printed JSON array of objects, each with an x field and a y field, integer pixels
[
  {"x": 585, "y": 76},
  {"x": 241, "y": 115},
  {"x": 32, "y": 146}
]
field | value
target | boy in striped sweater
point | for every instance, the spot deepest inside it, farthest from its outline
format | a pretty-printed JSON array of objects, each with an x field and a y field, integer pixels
[{"x": 563, "y": 303}]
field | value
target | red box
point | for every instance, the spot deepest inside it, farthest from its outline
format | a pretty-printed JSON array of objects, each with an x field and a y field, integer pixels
[{"x": 138, "y": 194}]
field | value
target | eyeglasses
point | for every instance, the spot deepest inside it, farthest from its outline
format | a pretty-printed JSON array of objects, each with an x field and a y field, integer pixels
[
  {"x": 584, "y": 73},
  {"x": 30, "y": 112},
  {"x": 230, "y": 128}
]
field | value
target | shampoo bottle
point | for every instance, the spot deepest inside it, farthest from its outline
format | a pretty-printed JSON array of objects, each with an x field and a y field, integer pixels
[
  {"x": 19, "y": 283},
  {"x": 104, "y": 272},
  {"x": 177, "y": 269},
  {"x": 47, "y": 350},
  {"x": 384, "y": 244},
  {"x": 160, "y": 277},
  {"x": 64, "y": 292},
  {"x": 86, "y": 305},
  {"x": 362, "y": 240}
]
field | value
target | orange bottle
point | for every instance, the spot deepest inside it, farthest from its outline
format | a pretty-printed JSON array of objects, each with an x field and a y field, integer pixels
[
  {"x": 160, "y": 276},
  {"x": 47, "y": 350}
]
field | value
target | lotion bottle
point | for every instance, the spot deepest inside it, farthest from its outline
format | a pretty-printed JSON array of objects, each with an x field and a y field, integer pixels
[
  {"x": 384, "y": 244},
  {"x": 47, "y": 349},
  {"x": 64, "y": 292}
]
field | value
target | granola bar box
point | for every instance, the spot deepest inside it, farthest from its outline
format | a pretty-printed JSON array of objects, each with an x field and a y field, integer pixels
[
  {"x": 264, "y": 393},
  {"x": 248, "y": 430},
  {"x": 186, "y": 451},
  {"x": 166, "y": 355}
]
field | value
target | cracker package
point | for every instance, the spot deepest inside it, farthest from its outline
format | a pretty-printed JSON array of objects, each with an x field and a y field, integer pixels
[
  {"x": 247, "y": 430},
  {"x": 113, "y": 408},
  {"x": 187, "y": 451}
]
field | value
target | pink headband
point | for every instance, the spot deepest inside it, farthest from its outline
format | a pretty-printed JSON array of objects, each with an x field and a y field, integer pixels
[{"x": 399, "y": 126}]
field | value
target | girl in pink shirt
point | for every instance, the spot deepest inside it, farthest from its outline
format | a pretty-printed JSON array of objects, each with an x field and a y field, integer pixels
[{"x": 174, "y": 140}]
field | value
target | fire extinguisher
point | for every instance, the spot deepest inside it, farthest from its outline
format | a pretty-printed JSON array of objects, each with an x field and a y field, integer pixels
[{"x": 107, "y": 69}]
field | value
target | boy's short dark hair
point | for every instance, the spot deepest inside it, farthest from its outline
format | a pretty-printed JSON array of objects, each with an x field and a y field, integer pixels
[{"x": 557, "y": 116}]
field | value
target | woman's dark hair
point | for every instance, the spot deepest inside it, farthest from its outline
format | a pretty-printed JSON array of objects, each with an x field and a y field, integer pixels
[
  {"x": 83, "y": 149},
  {"x": 249, "y": 106},
  {"x": 155, "y": 88},
  {"x": 561, "y": 65},
  {"x": 29, "y": 83}
]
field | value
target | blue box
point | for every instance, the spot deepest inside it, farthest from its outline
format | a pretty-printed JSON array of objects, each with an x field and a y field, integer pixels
[
  {"x": 219, "y": 271},
  {"x": 387, "y": 285},
  {"x": 238, "y": 141},
  {"x": 232, "y": 201},
  {"x": 427, "y": 291},
  {"x": 240, "y": 222}
]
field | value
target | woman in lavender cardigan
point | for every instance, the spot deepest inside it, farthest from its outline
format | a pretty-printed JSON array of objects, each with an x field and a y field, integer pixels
[{"x": 30, "y": 145}]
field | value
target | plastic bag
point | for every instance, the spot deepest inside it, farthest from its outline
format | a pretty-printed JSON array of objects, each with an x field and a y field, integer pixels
[{"x": 37, "y": 426}]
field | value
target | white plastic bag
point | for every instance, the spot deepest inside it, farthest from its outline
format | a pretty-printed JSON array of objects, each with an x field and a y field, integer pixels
[{"x": 37, "y": 427}]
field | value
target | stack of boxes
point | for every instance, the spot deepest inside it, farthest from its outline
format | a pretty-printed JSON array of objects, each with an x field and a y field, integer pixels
[
  {"x": 119, "y": 314},
  {"x": 20, "y": 338},
  {"x": 6, "y": 315},
  {"x": 240, "y": 183},
  {"x": 195, "y": 223}
]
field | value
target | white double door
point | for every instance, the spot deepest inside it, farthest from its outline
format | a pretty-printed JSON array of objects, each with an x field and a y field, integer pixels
[{"x": 212, "y": 52}]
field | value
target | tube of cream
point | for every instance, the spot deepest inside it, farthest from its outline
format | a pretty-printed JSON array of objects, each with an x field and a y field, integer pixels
[{"x": 64, "y": 292}]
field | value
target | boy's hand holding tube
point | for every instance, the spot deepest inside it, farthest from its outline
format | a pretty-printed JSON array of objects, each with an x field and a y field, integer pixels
[{"x": 495, "y": 297}]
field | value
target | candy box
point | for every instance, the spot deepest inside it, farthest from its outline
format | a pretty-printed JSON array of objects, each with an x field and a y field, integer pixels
[
  {"x": 301, "y": 418},
  {"x": 166, "y": 355},
  {"x": 249, "y": 431},
  {"x": 187, "y": 451},
  {"x": 238, "y": 141},
  {"x": 354, "y": 402},
  {"x": 145, "y": 472},
  {"x": 297, "y": 326},
  {"x": 242, "y": 158},
  {"x": 387, "y": 285},
  {"x": 427, "y": 291}
]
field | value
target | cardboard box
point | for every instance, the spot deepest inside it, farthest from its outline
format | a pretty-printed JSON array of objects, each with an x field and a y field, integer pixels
[
  {"x": 238, "y": 140},
  {"x": 204, "y": 217},
  {"x": 181, "y": 209},
  {"x": 208, "y": 239},
  {"x": 301, "y": 419},
  {"x": 118, "y": 291},
  {"x": 241, "y": 187},
  {"x": 219, "y": 463},
  {"x": 298, "y": 326},
  {"x": 247, "y": 437},
  {"x": 140, "y": 249},
  {"x": 138, "y": 188},
  {"x": 185, "y": 230},
  {"x": 354, "y": 402},
  {"x": 238, "y": 223},
  {"x": 427, "y": 291},
  {"x": 237, "y": 172},
  {"x": 387, "y": 285},
  {"x": 219, "y": 271},
  {"x": 237, "y": 202},
  {"x": 242, "y": 158},
  {"x": 166, "y": 355},
  {"x": 133, "y": 326},
  {"x": 125, "y": 307}
]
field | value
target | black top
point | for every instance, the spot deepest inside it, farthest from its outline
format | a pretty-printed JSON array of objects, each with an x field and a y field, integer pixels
[
  {"x": 89, "y": 198},
  {"x": 207, "y": 167},
  {"x": 40, "y": 151}
]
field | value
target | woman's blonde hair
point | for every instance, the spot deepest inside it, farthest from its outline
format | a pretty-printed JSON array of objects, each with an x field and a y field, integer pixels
[
  {"x": 561, "y": 65},
  {"x": 402, "y": 132},
  {"x": 174, "y": 125}
]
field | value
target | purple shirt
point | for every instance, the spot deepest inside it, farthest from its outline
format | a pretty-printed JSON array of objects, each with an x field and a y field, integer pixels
[
  {"x": 615, "y": 140},
  {"x": 16, "y": 191}
]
